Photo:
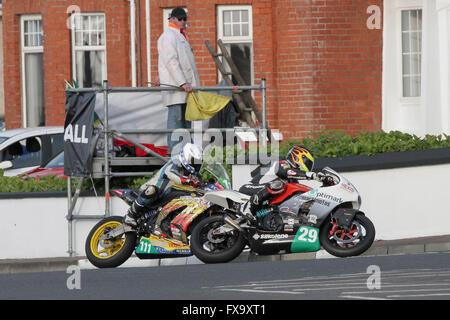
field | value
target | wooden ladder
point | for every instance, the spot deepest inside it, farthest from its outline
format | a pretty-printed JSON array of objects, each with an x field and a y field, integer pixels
[{"x": 243, "y": 98}]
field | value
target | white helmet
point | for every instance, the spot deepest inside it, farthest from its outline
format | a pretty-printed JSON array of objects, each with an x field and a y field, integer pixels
[{"x": 191, "y": 157}]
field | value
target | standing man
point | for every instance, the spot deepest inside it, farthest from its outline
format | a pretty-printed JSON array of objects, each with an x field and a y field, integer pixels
[{"x": 176, "y": 66}]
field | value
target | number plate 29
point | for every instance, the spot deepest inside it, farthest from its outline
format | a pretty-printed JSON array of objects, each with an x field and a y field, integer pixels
[{"x": 306, "y": 240}]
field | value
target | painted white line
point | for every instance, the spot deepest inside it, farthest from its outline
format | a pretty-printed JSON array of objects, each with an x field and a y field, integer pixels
[
  {"x": 305, "y": 284},
  {"x": 391, "y": 291},
  {"x": 362, "y": 298},
  {"x": 329, "y": 288},
  {"x": 420, "y": 295},
  {"x": 391, "y": 273},
  {"x": 262, "y": 291},
  {"x": 325, "y": 286},
  {"x": 415, "y": 285}
]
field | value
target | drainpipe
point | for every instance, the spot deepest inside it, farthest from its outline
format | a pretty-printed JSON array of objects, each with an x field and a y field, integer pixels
[
  {"x": 133, "y": 41},
  {"x": 147, "y": 31}
]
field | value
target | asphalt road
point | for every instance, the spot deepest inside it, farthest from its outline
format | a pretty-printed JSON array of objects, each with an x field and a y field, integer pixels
[{"x": 414, "y": 276}]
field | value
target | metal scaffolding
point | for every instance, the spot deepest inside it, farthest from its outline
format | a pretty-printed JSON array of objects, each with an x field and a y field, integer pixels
[{"x": 155, "y": 160}]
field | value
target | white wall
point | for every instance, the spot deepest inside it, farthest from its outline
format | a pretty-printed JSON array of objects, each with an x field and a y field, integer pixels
[
  {"x": 37, "y": 227},
  {"x": 402, "y": 203}
]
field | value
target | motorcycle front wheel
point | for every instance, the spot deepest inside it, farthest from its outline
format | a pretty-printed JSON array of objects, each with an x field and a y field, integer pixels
[
  {"x": 351, "y": 242},
  {"x": 215, "y": 248},
  {"x": 110, "y": 253}
]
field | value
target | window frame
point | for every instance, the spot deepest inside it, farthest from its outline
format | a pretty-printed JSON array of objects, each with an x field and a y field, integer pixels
[
  {"x": 26, "y": 50},
  {"x": 411, "y": 53},
  {"x": 404, "y": 6},
  {"x": 75, "y": 48},
  {"x": 236, "y": 39}
]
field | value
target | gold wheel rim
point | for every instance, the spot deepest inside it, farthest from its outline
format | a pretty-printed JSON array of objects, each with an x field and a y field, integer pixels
[{"x": 98, "y": 248}]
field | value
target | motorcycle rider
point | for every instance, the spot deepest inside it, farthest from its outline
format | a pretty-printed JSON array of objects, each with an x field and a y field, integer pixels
[
  {"x": 183, "y": 168},
  {"x": 298, "y": 165}
]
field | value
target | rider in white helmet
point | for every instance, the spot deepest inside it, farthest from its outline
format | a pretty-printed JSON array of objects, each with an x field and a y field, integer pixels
[{"x": 183, "y": 168}]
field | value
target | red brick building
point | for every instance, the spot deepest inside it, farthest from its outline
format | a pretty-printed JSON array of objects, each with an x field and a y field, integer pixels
[{"x": 322, "y": 63}]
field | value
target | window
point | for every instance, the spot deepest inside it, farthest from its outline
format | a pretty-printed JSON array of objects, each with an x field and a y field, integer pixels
[
  {"x": 32, "y": 71},
  {"x": 89, "y": 49},
  {"x": 24, "y": 153},
  {"x": 57, "y": 143},
  {"x": 235, "y": 31},
  {"x": 411, "y": 24}
]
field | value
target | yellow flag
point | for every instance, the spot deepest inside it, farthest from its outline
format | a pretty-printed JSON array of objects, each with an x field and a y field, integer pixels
[{"x": 204, "y": 105}]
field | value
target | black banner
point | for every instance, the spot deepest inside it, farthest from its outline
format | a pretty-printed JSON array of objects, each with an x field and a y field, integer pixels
[{"x": 78, "y": 129}]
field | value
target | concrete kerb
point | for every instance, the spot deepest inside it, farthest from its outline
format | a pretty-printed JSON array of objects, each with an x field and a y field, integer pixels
[{"x": 406, "y": 246}]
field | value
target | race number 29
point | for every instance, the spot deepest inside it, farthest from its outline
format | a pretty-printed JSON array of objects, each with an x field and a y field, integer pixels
[{"x": 307, "y": 235}]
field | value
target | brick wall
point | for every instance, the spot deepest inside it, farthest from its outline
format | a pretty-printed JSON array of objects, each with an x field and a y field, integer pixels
[
  {"x": 328, "y": 66},
  {"x": 57, "y": 51},
  {"x": 322, "y": 65}
]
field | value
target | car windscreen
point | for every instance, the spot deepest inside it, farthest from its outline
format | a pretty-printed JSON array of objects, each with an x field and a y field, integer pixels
[{"x": 56, "y": 162}]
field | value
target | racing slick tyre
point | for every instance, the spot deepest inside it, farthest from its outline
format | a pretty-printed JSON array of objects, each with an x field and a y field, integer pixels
[
  {"x": 216, "y": 248},
  {"x": 109, "y": 253},
  {"x": 349, "y": 242}
]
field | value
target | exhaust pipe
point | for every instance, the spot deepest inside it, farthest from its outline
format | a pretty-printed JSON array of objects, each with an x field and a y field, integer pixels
[{"x": 233, "y": 223}]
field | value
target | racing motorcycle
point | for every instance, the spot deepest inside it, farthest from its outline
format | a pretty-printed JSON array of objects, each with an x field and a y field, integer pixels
[
  {"x": 301, "y": 219},
  {"x": 162, "y": 232}
]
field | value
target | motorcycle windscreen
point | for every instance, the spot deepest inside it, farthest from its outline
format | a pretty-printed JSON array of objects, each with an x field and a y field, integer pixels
[{"x": 306, "y": 240}]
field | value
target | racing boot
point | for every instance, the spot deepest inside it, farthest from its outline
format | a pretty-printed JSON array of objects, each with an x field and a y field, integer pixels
[
  {"x": 247, "y": 212},
  {"x": 139, "y": 206},
  {"x": 129, "y": 219}
]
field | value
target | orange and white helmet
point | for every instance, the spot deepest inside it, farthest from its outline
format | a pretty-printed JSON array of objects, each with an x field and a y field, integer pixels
[{"x": 300, "y": 157}]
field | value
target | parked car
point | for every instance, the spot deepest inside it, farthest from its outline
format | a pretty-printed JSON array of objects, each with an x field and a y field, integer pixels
[
  {"x": 22, "y": 150},
  {"x": 54, "y": 166}
]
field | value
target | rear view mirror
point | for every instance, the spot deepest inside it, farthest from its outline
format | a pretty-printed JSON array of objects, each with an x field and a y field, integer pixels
[{"x": 6, "y": 165}]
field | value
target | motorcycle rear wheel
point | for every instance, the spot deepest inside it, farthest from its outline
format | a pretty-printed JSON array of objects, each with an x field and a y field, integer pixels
[
  {"x": 215, "y": 249},
  {"x": 353, "y": 242},
  {"x": 109, "y": 253}
]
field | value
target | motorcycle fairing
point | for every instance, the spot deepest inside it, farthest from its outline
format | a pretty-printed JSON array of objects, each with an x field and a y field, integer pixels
[
  {"x": 154, "y": 247},
  {"x": 306, "y": 240},
  {"x": 176, "y": 204},
  {"x": 188, "y": 209},
  {"x": 290, "y": 189},
  {"x": 181, "y": 222},
  {"x": 270, "y": 242}
]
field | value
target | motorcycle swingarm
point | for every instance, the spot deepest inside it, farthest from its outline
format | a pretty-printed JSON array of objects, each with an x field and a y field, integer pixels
[{"x": 123, "y": 228}]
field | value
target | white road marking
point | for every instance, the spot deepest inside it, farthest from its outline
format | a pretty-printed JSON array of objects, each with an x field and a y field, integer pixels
[
  {"x": 262, "y": 291},
  {"x": 346, "y": 282},
  {"x": 362, "y": 298},
  {"x": 391, "y": 291},
  {"x": 420, "y": 295}
]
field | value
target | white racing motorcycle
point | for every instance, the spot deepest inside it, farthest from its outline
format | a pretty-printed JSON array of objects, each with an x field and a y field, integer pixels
[{"x": 301, "y": 219}]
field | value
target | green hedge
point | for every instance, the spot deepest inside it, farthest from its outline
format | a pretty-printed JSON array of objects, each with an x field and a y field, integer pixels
[
  {"x": 323, "y": 144},
  {"x": 337, "y": 144},
  {"x": 54, "y": 183}
]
